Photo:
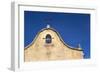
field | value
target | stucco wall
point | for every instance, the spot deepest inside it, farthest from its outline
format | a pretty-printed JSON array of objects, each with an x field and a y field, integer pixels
[{"x": 39, "y": 50}]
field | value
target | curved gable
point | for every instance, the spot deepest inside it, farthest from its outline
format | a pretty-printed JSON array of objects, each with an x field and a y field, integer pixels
[{"x": 51, "y": 29}]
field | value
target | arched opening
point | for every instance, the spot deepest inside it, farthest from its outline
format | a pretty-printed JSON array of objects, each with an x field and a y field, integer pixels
[{"x": 48, "y": 39}]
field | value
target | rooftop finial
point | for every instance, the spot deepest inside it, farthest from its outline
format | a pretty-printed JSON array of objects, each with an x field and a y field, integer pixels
[
  {"x": 48, "y": 26},
  {"x": 79, "y": 47}
]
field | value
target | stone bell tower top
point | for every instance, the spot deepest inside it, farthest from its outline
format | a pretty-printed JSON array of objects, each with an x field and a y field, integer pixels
[{"x": 48, "y": 26}]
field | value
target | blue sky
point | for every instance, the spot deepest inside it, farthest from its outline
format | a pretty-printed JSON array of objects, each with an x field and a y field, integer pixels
[{"x": 74, "y": 28}]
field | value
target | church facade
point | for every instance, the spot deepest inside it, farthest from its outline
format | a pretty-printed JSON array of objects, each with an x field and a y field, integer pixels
[{"x": 48, "y": 45}]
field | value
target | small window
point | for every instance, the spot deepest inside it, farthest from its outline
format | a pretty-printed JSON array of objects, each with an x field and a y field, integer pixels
[{"x": 48, "y": 39}]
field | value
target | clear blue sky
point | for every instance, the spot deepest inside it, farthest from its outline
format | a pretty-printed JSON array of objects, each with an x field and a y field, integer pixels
[{"x": 74, "y": 28}]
